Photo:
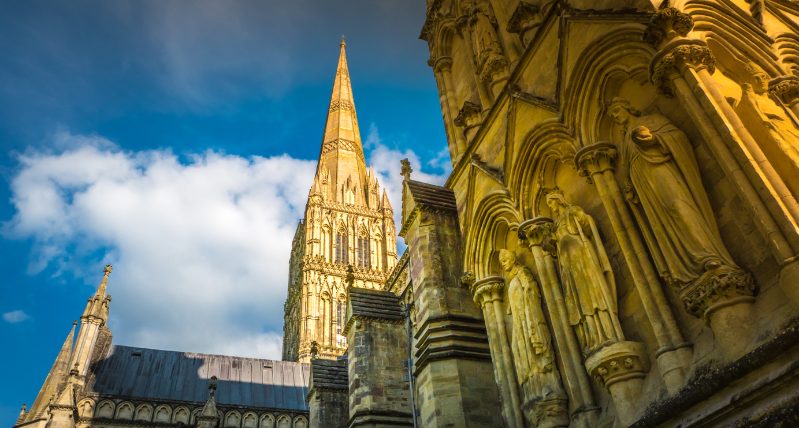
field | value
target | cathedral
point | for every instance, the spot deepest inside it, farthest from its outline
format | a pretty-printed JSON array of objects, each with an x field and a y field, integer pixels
[{"x": 348, "y": 228}]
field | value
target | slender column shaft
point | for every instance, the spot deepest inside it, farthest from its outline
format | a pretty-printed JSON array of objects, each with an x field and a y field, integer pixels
[
  {"x": 506, "y": 360},
  {"x": 448, "y": 124}
]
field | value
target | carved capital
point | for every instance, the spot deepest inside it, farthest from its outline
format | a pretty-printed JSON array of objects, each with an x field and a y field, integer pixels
[
  {"x": 468, "y": 279},
  {"x": 594, "y": 159},
  {"x": 524, "y": 20},
  {"x": 665, "y": 25},
  {"x": 443, "y": 64},
  {"x": 536, "y": 231},
  {"x": 469, "y": 115},
  {"x": 618, "y": 362},
  {"x": 717, "y": 288},
  {"x": 493, "y": 66},
  {"x": 488, "y": 289},
  {"x": 786, "y": 88},
  {"x": 675, "y": 58}
]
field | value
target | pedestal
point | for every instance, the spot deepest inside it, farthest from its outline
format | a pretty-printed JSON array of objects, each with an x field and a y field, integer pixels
[{"x": 621, "y": 368}]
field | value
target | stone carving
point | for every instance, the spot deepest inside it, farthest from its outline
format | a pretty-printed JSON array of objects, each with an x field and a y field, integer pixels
[
  {"x": 590, "y": 288},
  {"x": 666, "y": 24},
  {"x": 663, "y": 178},
  {"x": 468, "y": 279},
  {"x": 487, "y": 50},
  {"x": 773, "y": 127},
  {"x": 531, "y": 346},
  {"x": 524, "y": 21},
  {"x": 664, "y": 67}
]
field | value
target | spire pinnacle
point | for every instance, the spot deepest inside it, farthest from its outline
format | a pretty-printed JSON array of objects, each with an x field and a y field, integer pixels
[{"x": 104, "y": 284}]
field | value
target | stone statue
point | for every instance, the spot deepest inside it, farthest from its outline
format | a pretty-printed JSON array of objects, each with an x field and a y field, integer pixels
[
  {"x": 545, "y": 401},
  {"x": 588, "y": 282},
  {"x": 531, "y": 344},
  {"x": 772, "y": 126},
  {"x": 664, "y": 178}
]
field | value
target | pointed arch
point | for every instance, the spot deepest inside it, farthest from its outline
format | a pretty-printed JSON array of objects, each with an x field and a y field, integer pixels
[
  {"x": 284, "y": 421},
  {"x": 144, "y": 412},
  {"x": 494, "y": 225},
  {"x": 86, "y": 408},
  {"x": 105, "y": 410},
  {"x": 300, "y": 422},
  {"x": 124, "y": 411},
  {"x": 267, "y": 420},
  {"x": 163, "y": 413},
  {"x": 232, "y": 419},
  {"x": 181, "y": 414}
]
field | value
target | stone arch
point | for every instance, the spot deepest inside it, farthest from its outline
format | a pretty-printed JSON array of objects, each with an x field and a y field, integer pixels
[
  {"x": 105, "y": 410},
  {"x": 232, "y": 419},
  {"x": 144, "y": 412},
  {"x": 249, "y": 420},
  {"x": 492, "y": 229},
  {"x": 163, "y": 413},
  {"x": 86, "y": 408},
  {"x": 194, "y": 413},
  {"x": 181, "y": 414},
  {"x": 284, "y": 421},
  {"x": 445, "y": 34},
  {"x": 300, "y": 422},
  {"x": 611, "y": 62},
  {"x": 125, "y": 411},
  {"x": 787, "y": 45},
  {"x": 267, "y": 420}
]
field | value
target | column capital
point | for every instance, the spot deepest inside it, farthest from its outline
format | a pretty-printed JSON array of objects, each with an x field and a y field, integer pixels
[
  {"x": 488, "y": 289},
  {"x": 716, "y": 289},
  {"x": 594, "y": 159},
  {"x": 786, "y": 88},
  {"x": 443, "y": 64},
  {"x": 536, "y": 231},
  {"x": 667, "y": 24},
  {"x": 676, "y": 57}
]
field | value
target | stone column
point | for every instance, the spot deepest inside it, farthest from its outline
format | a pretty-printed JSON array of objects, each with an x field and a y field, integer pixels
[
  {"x": 673, "y": 354},
  {"x": 585, "y": 412},
  {"x": 443, "y": 66},
  {"x": 449, "y": 127},
  {"x": 488, "y": 293}
]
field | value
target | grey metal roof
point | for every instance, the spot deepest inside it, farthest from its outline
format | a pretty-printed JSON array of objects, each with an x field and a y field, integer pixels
[{"x": 171, "y": 375}]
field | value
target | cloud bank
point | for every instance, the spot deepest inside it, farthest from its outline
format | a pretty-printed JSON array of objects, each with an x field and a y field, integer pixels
[
  {"x": 199, "y": 245},
  {"x": 14, "y": 317}
]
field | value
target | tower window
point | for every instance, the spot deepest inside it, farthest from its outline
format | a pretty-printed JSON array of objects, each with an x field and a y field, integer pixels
[
  {"x": 341, "y": 248},
  {"x": 363, "y": 253}
]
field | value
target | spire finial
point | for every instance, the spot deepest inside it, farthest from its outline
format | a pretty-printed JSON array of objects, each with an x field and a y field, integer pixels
[
  {"x": 343, "y": 40},
  {"x": 406, "y": 169}
]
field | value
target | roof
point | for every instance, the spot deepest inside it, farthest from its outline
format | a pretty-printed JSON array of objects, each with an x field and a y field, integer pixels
[
  {"x": 376, "y": 304},
  {"x": 184, "y": 376},
  {"x": 329, "y": 374},
  {"x": 431, "y": 195}
]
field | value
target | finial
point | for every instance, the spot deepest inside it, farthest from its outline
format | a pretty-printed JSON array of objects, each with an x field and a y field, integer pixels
[
  {"x": 24, "y": 406},
  {"x": 212, "y": 385},
  {"x": 343, "y": 40},
  {"x": 350, "y": 279},
  {"x": 314, "y": 350},
  {"x": 75, "y": 371},
  {"x": 74, "y": 323},
  {"x": 108, "y": 269},
  {"x": 406, "y": 169}
]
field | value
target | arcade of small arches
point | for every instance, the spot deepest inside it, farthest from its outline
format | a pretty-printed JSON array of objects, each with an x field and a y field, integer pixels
[{"x": 109, "y": 413}]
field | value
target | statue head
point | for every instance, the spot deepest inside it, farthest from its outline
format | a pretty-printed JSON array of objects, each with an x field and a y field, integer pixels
[
  {"x": 507, "y": 259},
  {"x": 556, "y": 202},
  {"x": 756, "y": 77},
  {"x": 620, "y": 110}
]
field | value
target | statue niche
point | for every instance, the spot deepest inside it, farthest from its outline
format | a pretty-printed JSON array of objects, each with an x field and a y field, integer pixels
[
  {"x": 772, "y": 126},
  {"x": 531, "y": 345},
  {"x": 662, "y": 177},
  {"x": 588, "y": 282},
  {"x": 486, "y": 48}
]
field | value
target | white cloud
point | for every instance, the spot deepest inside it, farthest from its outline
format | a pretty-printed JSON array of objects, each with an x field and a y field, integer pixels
[
  {"x": 200, "y": 248},
  {"x": 15, "y": 316}
]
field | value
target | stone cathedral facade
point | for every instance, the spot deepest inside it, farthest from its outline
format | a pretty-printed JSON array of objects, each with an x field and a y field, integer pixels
[
  {"x": 348, "y": 224},
  {"x": 618, "y": 242}
]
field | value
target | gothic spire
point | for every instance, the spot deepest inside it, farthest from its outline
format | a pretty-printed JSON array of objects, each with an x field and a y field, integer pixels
[
  {"x": 57, "y": 375},
  {"x": 342, "y": 153}
]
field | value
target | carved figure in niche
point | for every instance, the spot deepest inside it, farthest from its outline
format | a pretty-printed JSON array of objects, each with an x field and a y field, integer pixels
[
  {"x": 531, "y": 347},
  {"x": 663, "y": 177},
  {"x": 588, "y": 282},
  {"x": 485, "y": 41},
  {"x": 544, "y": 398},
  {"x": 772, "y": 126}
]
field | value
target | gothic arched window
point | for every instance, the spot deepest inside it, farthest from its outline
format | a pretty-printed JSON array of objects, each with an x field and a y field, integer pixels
[
  {"x": 341, "y": 247},
  {"x": 363, "y": 252},
  {"x": 339, "y": 316}
]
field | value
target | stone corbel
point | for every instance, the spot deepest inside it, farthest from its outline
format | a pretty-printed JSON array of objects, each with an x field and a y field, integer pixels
[
  {"x": 469, "y": 119},
  {"x": 675, "y": 58},
  {"x": 786, "y": 89},
  {"x": 621, "y": 368},
  {"x": 525, "y": 22},
  {"x": 666, "y": 25}
]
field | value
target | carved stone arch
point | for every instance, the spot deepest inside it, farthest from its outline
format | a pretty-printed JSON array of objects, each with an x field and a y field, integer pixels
[
  {"x": 194, "y": 413},
  {"x": 620, "y": 59},
  {"x": 267, "y": 420},
  {"x": 718, "y": 22},
  {"x": 249, "y": 420},
  {"x": 86, "y": 408},
  {"x": 144, "y": 412},
  {"x": 163, "y": 413},
  {"x": 124, "y": 411},
  {"x": 300, "y": 422},
  {"x": 284, "y": 421},
  {"x": 731, "y": 56},
  {"x": 545, "y": 146},
  {"x": 787, "y": 45},
  {"x": 105, "y": 410},
  {"x": 493, "y": 228},
  {"x": 232, "y": 419},
  {"x": 445, "y": 34},
  {"x": 181, "y": 414}
]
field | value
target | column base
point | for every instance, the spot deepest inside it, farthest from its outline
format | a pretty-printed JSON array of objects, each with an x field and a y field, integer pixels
[{"x": 621, "y": 368}]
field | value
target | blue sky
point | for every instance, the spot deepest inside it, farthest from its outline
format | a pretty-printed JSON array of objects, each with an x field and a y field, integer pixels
[{"x": 177, "y": 141}]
